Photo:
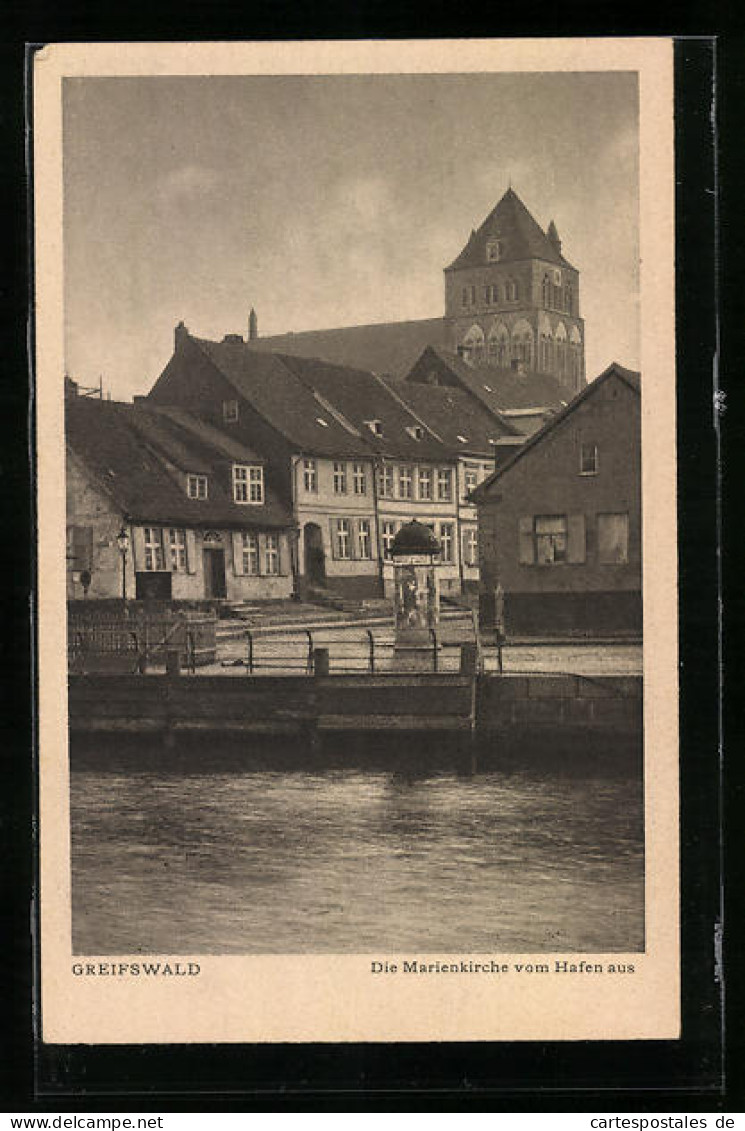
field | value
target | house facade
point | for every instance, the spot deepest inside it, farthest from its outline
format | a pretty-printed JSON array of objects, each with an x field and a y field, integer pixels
[
  {"x": 353, "y": 457},
  {"x": 560, "y": 522},
  {"x": 167, "y": 509}
]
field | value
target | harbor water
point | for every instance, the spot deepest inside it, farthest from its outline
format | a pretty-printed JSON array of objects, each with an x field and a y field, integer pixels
[{"x": 353, "y": 857}]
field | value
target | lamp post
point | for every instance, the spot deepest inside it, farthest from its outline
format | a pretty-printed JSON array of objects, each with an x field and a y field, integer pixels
[{"x": 122, "y": 541}]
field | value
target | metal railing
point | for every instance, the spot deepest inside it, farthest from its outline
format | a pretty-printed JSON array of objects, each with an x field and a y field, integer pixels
[
  {"x": 294, "y": 652},
  {"x": 120, "y": 644}
]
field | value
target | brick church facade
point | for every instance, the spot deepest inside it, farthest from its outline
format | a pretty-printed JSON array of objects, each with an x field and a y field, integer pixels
[{"x": 511, "y": 298}]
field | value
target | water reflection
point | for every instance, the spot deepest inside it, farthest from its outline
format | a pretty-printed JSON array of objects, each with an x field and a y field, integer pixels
[{"x": 355, "y": 861}]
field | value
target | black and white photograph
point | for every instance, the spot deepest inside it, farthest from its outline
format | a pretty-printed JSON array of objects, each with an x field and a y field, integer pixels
[{"x": 351, "y": 400}]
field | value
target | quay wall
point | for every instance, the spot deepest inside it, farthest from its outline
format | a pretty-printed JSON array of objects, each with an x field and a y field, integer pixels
[{"x": 510, "y": 705}]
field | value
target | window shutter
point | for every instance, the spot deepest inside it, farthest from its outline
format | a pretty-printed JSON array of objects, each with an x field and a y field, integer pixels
[
  {"x": 191, "y": 551},
  {"x": 526, "y": 547},
  {"x": 576, "y": 538},
  {"x": 237, "y": 553},
  {"x": 138, "y": 548}
]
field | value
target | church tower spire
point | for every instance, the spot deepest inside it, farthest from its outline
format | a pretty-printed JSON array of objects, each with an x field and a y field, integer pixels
[{"x": 512, "y": 299}]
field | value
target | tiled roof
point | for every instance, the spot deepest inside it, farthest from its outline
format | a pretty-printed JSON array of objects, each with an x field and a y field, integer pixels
[
  {"x": 520, "y": 236},
  {"x": 202, "y": 434},
  {"x": 120, "y": 444},
  {"x": 282, "y": 399},
  {"x": 463, "y": 424},
  {"x": 363, "y": 397},
  {"x": 385, "y": 347},
  {"x": 629, "y": 376},
  {"x": 504, "y": 389}
]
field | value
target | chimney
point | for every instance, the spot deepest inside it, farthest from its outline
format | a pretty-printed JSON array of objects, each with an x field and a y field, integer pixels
[
  {"x": 180, "y": 335},
  {"x": 553, "y": 238},
  {"x": 253, "y": 326}
]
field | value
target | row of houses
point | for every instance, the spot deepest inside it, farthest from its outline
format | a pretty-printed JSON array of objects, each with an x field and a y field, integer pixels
[{"x": 245, "y": 474}]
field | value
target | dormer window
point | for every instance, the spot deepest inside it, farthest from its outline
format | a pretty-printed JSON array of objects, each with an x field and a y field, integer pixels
[
  {"x": 248, "y": 483},
  {"x": 462, "y": 439},
  {"x": 415, "y": 431},
  {"x": 196, "y": 486},
  {"x": 322, "y": 422},
  {"x": 230, "y": 412},
  {"x": 375, "y": 427},
  {"x": 494, "y": 251}
]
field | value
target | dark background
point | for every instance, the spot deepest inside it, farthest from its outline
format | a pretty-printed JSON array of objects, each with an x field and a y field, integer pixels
[{"x": 679, "y": 1076}]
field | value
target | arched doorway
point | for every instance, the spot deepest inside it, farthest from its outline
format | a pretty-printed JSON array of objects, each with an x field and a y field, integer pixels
[{"x": 315, "y": 555}]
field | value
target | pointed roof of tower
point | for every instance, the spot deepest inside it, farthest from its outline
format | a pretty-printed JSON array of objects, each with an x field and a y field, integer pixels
[{"x": 520, "y": 235}]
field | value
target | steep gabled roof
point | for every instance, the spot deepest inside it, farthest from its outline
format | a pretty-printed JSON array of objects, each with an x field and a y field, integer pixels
[
  {"x": 520, "y": 236},
  {"x": 629, "y": 376},
  {"x": 501, "y": 390},
  {"x": 200, "y": 435},
  {"x": 362, "y": 397},
  {"x": 120, "y": 445},
  {"x": 463, "y": 424},
  {"x": 384, "y": 347},
  {"x": 277, "y": 394}
]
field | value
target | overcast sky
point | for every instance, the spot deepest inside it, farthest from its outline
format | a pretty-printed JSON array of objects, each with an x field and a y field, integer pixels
[{"x": 329, "y": 201}]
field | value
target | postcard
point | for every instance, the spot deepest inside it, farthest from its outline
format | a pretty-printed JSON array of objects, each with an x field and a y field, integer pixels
[{"x": 357, "y": 590}]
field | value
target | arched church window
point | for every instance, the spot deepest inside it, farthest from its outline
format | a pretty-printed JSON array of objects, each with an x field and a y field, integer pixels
[
  {"x": 494, "y": 293},
  {"x": 473, "y": 343},
  {"x": 546, "y": 291},
  {"x": 569, "y": 295}
]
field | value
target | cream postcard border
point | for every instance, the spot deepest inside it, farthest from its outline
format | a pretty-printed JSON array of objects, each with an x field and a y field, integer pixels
[{"x": 335, "y": 998}]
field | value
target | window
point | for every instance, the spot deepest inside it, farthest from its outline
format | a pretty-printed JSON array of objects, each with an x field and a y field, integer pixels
[
  {"x": 470, "y": 546},
  {"x": 494, "y": 250},
  {"x": 271, "y": 554},
  {"x": 322, "y": 422},
  {"x": 613, "y": 539},
  {"x": 248, "y": 483},
  {"x": 446, "y": 541},
  {"x": 363, "y": 538},
  {"x": 176, "y": 540},
  {"x": 487, "y": 294},
  {"x": 550, "y": 539},
  {"x": 153, "y": 537},
  {"x": 230, "y": 412},
  {"x": 388, "y": 534},
  {"x": 404, "y": 483},
  {"x": 359, "y": 479},
  {"x": 511, "y": 290},
  {"x": 375, "y": 427},
  {"x": 415, "y": 431},
  {"x": 341, "y": 539},
  {"x": 310, "y": 476},
  {"x": 340, "y": 479},
  {"x": 250, "y": 553},
  {"x": 80, "y": 548},
  {"x": 588, "y": 459},
  {"x": 569, "y": 298},
  {"x": 495, "y": 293},
  {"x": 473, "y": 294},
  {"x": 196, "y": 486},
  {"x": 464, "y": 296},
  {"x": 444, "y": 485},
  {"x": 425, "y": 483},
  {"x": 385, "y": 481},
  {"x": 471, "y": 480},
  {"x": 546, "y": 291}
]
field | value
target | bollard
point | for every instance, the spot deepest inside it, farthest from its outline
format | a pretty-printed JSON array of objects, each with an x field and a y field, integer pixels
[
  {"x": 173, "y": 662},
  {"x": 468, "y": 658},
  {"x": 320, "y": 662}
]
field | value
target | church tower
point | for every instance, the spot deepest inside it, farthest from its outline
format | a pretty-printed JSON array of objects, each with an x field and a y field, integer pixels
[{"x": 512, "y": 299}]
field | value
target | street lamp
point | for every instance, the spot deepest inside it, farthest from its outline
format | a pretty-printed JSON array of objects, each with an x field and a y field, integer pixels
[{"x": 122, "y": 541}]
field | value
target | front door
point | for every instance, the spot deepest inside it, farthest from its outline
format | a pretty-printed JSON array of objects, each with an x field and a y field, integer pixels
[
  {"x": 315, "y": 557},
  {"x": 214, "y": 573}
]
